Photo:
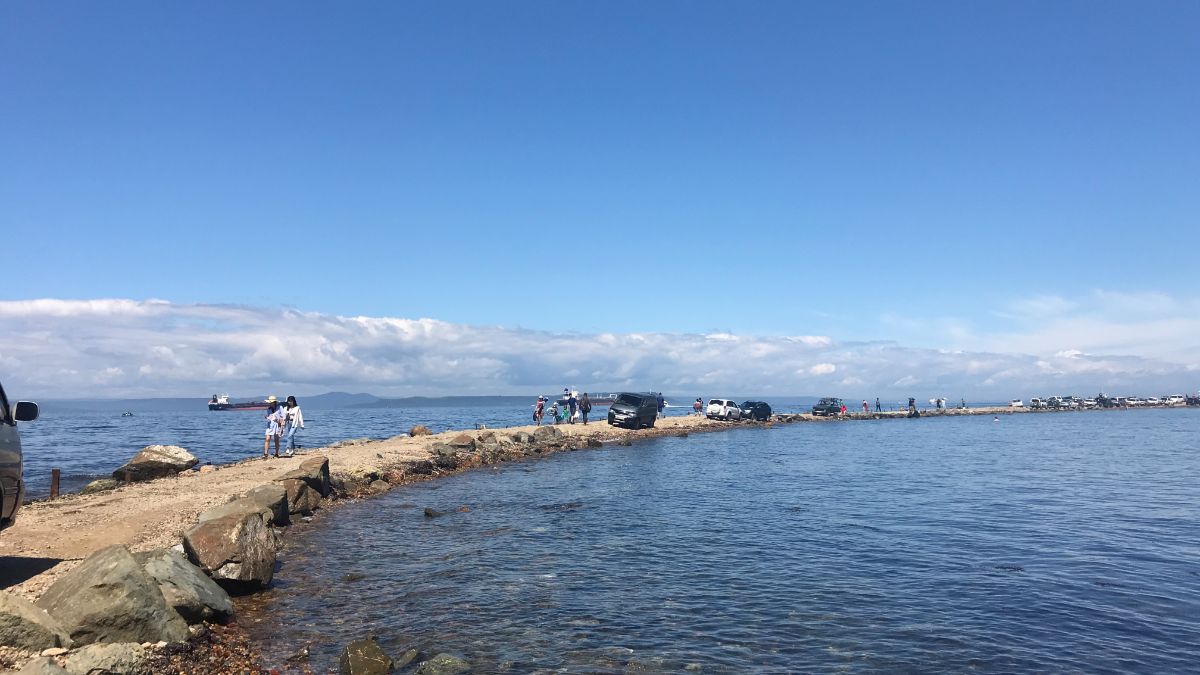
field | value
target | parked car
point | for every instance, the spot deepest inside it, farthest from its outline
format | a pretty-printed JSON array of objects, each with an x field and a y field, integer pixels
[
  {"x": 723, "y": 409},
  {"x": 1036, "y": 402},
  {"x": 827, "y": 406},
  {"x": 1089, "y": 403},
  {"x": 1016, "y": 403},
  {"x": 633, "y": 410},
  {"x": 12, "y": 483},
  {"x": 1176, "y": 399},
  {"x": 1152, "y": 400},
  {"x": 756, "y": 410}
]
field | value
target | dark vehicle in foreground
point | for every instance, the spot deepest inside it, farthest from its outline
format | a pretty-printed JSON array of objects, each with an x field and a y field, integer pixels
[
  {"x": 828, "y": 406},
  {"x": 633, "y": 410},
  {"x": 756, "y": 410},
  {"x": 12, "y": 486}
]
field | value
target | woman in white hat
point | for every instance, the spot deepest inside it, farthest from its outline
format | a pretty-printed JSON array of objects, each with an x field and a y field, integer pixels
[{"x": 275, "y": 419}]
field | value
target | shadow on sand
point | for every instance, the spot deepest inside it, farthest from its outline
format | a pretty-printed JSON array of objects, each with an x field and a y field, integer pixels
[{"x": 14, "y": 570}]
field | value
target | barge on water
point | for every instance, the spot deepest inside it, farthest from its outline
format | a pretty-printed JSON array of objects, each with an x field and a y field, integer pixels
[{"x": 222, "y": 403}]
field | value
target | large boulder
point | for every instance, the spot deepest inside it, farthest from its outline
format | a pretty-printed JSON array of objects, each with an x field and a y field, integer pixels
[
  {"x": 237, "y": 551},
  {"x": 156, "y": 461},
  {"x": 186, "y": 589},
  {"x": 121, "y": 658},
  {"x": 306, "y": 485},
  {"x": 269, "y": 501},
  {"x": 101, "y": 485},
  {"x": 364, "y": 657},
  {"x": 110, "y": 598},
  {"x": 445, "y": 456},
  {"x": 26, "y": 626},
  {"x": 462, "y": 442},
  {"x": 547, "y": 435},
  {"x": 419, "y": 430}
]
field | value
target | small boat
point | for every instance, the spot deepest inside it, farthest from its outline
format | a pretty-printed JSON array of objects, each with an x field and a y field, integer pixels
[
  {"x": 222, "y": 403},
  {"x": 126, "y": 414}
]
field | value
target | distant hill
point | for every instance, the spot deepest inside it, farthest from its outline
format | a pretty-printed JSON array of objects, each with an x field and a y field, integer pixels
[{"x": 446, "y": 402}]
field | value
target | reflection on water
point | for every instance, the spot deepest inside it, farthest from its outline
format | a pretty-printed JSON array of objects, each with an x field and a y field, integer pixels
[{"x": 1037, "y": 543}]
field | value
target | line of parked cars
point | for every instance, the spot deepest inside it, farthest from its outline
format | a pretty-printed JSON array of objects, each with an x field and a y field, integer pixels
[
  {"x": 12, "y": 484},
  {"x": 1102, "y": 401},
  {"x": 641, "y": 410},
  {"x": 729, "y": 409}
]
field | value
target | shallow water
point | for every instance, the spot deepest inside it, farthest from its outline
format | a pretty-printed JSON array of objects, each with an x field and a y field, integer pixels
[{"x": 1062, "y": 543}]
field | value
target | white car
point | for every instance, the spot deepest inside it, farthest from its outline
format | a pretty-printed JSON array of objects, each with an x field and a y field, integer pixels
[
  {"x": 1152, "y": 400},
  {"x": 1090, "y": 403},
  {"x": 723, "y": 409},
  {"x": 1036, "y": 402},
  {"x": 1177, "y": 399},
  {"x": 1016, "y": 403}
]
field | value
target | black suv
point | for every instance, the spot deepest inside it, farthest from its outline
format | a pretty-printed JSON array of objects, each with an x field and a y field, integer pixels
[
  {"x": 756, "y": 410},
  {"x": 12, "y": 487},
  {"x": 633, "y": 410},
  {"x": 827, "y": 406}
]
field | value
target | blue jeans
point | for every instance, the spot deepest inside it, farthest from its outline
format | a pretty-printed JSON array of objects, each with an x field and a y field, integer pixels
[{"x": 290, "y": 433}]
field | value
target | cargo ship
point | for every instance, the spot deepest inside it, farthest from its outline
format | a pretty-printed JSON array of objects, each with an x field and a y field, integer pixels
[{"x": 222, "y": 403}]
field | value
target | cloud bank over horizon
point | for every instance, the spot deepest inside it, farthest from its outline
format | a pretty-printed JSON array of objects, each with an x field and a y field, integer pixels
[{"x": 115, "y": 348}]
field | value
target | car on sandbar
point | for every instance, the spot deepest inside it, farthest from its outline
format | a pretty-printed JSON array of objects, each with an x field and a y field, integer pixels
[
  {"x": 1036, "y": 402},
  {"x": 723, "y": 409},
  {"x": 756, "y": 410},
  {"x": 633, "y": 410},
  {"x": 1016, "y": 403},
  {"x": 1176, "y": 399},
  {"x": 1152, "y": 400},
  {"x": 827, "y": 407},
  {"x": 12, "y": 483}
]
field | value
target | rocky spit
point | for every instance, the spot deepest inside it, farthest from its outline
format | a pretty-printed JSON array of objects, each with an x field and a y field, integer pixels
[{"x": 155, "y": 597}]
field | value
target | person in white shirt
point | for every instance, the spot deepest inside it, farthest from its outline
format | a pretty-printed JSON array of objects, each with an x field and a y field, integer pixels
[
  {"x": 295, "y": 422},
  {"x": 275, "y": 418}
]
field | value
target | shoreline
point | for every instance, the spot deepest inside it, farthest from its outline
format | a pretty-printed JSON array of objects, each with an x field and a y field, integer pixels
[{"x": 153, "y": 515}]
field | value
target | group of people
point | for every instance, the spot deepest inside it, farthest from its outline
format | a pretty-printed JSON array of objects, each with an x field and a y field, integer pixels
[
  {"x": 282, "y": 421},
  {"x": 573, "y": 408}
]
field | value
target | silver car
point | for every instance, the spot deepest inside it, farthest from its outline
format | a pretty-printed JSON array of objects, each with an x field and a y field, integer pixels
[{"x": 12, "y": 486}]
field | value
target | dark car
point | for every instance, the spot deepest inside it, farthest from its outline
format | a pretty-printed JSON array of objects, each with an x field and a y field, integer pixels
[
  {"x": 633, "y": 410},
  {"x": 756, "y": 410},
  {"x": 12, "y": 486},
  {"x": 828, "y": 406}
]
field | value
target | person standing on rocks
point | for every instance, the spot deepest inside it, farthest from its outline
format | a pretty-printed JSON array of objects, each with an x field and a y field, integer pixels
[
  {"x": 573, "y": 404},
  {"x": 295, "y": 422},
  {"x": 275, "y": 419},
  {"x": 585, "y": 407},
  {"x": 877, "y": 408},
  {"x": 662, "y": 404},
  {"x": 554, "y": 412},
  {"x": 698, "y": 407},
  {"x": 866, "y": 408},
  {"x": 539, "y": 410}
]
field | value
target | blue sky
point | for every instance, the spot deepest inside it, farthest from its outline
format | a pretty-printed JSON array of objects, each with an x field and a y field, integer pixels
[{"x": 937, "y": 175}]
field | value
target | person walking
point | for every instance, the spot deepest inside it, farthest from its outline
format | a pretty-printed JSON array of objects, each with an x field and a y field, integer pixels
[
  {"x": 295, "y": 422},
  {"x": 877, "y": 408},
  {"x": 554, "y": 412},
  {"x": 698, "y": 407},
  {"x": 843, "y": 410},
  {"x": 866, "y": 408},
  {"x": 275, "y": 418},
  {"x": 539, "y": 410},
  {"x": 573, "y": 404},
  {"x": 662, "y": 404},
  {"x": 585, "y": 407}
]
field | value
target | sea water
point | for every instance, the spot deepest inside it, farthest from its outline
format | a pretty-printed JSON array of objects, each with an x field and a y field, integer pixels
[{"x": 1036, "y": 543}]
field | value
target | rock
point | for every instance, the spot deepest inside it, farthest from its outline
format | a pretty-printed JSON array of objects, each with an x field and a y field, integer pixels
[
  {"x": 444, "y": 664},
  {"x": 238, "y": 552},
  {"x": 364, "y": 657},
  {"x": 121, "y": 658},
  {"x": 110, "y": 598},
  {"x": 444, "y": 456},
  {"x": 307, "y": 484},
  {"x": 26, "y": 626},
  {"x": 54, "y": 651},
  {"x": 380, "y": 486},
  {"x": 406, "y": 658},
  {"x": 486, "y": 437},
  {"x": 102, "y": 485},
  {"x": 421, "y": 468},
  {"x": 156, "y": 461},
  {"x": 625, "y": 442},
  {"x": 42, "y": 666},
  {"x": 547, "y": 435},
  {"x": 594, "y": 443},
  {"x": 522, "y": 437},
  {"x": 430, "y": 513},
  {"x": 463, "y": 442},
  {"x": 350, "y": 441},
  {"x": 208, "y": 468},
  {"x": 186, "y": 589},
  {"x": 420, "y": 430},
  {"x": 269, "y": 501}
]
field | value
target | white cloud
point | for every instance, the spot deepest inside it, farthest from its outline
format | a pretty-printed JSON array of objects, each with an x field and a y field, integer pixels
[{"x": 114, "y": 348}]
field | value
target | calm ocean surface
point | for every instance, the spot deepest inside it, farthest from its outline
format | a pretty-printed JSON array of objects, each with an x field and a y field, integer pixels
[{"x": 1038, "y": 543}]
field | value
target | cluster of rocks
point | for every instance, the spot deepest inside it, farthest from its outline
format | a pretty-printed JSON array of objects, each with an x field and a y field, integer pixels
[
  {"x": 366, "y": 657},
  {"x": 152, "y": 461}
]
